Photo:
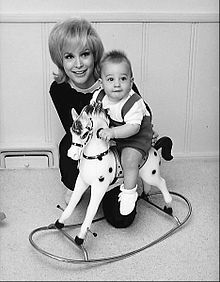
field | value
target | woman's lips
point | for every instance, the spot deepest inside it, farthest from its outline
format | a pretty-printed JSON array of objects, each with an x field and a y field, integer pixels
[{"x": 79, "y": 72}]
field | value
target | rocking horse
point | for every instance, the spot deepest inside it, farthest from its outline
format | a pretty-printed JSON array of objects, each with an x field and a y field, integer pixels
[{"x": 99, "y": 166}]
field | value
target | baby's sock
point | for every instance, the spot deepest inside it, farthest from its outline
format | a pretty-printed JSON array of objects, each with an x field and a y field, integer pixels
[{"x": 127, "y": 199}]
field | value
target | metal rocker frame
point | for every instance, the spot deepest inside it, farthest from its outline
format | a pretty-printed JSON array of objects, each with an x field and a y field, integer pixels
[{"x": 87, "y": 260}]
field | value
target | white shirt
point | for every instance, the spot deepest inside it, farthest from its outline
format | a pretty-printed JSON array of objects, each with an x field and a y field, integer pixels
[{"x": 133, "y": 116}]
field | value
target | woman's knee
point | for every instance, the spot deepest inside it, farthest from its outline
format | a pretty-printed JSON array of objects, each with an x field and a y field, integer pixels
[
  {"x": 69, "y": 171},
  {"x": 111, "y": 210}
]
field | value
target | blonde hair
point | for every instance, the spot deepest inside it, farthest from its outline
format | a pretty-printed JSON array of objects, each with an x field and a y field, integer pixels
[{"x": 71, "y": 31}]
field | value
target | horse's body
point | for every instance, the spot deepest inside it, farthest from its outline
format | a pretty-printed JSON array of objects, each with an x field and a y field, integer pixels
[{"x": 97, "y": 165}]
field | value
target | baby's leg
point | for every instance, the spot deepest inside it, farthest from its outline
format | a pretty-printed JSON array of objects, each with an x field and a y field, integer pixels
[
  {"x": 130, "y": 160},
  {"x": 128, "y": 196}
]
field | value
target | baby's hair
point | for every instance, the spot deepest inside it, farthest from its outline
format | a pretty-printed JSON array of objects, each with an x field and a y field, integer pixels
[
  {"x": 115, "y": 56},
  {"x": 70, "y": 32}
]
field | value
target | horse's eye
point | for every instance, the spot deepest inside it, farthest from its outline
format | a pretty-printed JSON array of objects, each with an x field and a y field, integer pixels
[
  {"x": 76, "y": 131},
  {"x": 84, "y": 135},
  {"x": 77, "y": 127}
]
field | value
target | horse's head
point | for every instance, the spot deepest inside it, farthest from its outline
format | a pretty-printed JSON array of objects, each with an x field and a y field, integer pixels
[
  {"x": 81, "y": 131},
  {"x": 91, "y": 119},
  {"x": 98, "y": 114}
]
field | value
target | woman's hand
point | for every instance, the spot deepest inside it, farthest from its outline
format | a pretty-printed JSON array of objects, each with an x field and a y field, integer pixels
[{"x": 154, "y": 138}]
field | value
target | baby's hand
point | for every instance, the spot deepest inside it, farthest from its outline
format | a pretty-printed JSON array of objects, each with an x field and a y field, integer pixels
[{"x": 106, "y": 134}]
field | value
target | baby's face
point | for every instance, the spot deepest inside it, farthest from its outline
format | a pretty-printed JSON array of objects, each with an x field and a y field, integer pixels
[{"x": 116, "y": 80}]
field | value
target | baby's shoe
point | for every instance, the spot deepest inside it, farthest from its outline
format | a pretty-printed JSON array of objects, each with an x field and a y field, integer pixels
[{"x": 127, "y": 199}]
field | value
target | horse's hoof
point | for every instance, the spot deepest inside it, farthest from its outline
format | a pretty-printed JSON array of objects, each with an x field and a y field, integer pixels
[
  {"x": 58, "y": 224},
  {"x": 79, "y": 241},
  {"x": 168, "y": 210}
]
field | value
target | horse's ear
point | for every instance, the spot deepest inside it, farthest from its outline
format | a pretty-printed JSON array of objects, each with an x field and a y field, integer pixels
[
  {"x": 86, "y": 119},
  {"x": 84, "y": 115},
  {"x": 74, "y": 114}
]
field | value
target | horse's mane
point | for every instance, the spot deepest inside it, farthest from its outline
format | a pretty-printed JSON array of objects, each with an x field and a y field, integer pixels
[{"x": 96, "y": 109}]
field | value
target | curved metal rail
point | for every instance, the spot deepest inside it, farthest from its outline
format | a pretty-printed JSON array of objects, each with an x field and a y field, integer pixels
[{"x": 86, "y": 259}]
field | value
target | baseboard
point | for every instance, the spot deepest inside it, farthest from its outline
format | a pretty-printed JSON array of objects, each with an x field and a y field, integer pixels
[
  {"x": 196, "y": 156},
  {"x": 44, "y": 156}
]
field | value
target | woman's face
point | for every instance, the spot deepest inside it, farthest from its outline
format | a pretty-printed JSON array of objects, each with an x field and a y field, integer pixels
[{"x": 78, "y": 64}]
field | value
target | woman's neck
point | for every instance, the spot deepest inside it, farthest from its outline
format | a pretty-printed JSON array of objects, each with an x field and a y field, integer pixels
[{"x": 96, "y": 85}]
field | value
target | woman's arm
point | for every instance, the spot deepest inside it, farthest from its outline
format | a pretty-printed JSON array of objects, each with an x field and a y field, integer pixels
[{"x": 59, "y": 96}]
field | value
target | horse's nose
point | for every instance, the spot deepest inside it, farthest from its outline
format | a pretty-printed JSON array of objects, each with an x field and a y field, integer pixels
[{"x": 72, "y": 154}]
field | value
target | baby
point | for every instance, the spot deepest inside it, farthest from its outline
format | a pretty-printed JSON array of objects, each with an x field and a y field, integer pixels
[{"x": 130, "y": 122}]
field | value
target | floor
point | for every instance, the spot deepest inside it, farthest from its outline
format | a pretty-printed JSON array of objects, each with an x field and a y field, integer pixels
[{"x": 29, "y": 197}]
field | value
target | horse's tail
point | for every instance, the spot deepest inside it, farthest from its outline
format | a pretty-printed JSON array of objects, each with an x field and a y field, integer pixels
[{"x": 166, "y": 144}]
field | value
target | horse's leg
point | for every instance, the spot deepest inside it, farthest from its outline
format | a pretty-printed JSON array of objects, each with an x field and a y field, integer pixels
[
  {"x": 160, "y": 183},
  {"x": 150, "y": 173},
  {"x": 97, "y": 192},
  {"x": 146, "y": 187},
  {"x": 79, "y": 189}
]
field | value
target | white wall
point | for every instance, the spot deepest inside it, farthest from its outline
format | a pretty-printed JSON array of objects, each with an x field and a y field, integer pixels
[{"x": 173, "y": 46}]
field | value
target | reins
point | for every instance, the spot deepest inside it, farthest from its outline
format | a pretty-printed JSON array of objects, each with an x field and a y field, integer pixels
[
  {"x": 77, "y": 144},
  {"x": 99, "y": 156}
]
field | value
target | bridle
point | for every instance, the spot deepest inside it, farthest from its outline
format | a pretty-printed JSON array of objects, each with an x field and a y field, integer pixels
[
  {"x": 88, "y": 135},
  {"x": 77, "y": 144}
]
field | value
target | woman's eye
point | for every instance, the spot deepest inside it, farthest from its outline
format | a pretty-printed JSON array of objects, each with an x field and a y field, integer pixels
[
  {"x": 68, "y": 56},
  {"x": 85, "y": 54}
]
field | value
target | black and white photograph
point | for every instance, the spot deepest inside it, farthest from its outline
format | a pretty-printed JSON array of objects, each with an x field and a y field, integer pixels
[{"x": 109, "y": 140}]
